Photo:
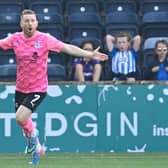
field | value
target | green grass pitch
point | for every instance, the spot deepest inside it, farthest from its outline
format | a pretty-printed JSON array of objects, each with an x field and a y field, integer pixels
[{"x": 88, "y": 160}]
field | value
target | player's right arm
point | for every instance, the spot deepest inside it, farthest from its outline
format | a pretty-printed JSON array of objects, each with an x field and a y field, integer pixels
[{"x": 6, "y": 43}]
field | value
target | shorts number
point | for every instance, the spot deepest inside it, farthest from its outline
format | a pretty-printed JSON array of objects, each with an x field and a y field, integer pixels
[{"x": 36, "y": 97}]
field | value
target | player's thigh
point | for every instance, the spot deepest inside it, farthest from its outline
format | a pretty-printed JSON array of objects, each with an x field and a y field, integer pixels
[
  {"x": 27, "y": 104},
  {"x": 23, "y": 113},
  {"x": 33, "y": 100},
  {"x": 19, "y": 98}
]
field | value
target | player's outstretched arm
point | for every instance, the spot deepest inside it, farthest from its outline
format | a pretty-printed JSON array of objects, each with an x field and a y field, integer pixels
[{"x": 76, "y": 51}]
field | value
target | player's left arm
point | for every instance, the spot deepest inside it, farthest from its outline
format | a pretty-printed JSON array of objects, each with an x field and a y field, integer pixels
[{"x": 76, "y": 51}]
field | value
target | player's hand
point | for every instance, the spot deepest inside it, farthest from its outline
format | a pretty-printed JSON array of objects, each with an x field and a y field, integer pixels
[{"x": 99, "y": 56}]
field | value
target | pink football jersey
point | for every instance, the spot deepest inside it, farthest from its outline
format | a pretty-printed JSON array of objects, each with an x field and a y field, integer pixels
[{"x": 31, "y": 58}]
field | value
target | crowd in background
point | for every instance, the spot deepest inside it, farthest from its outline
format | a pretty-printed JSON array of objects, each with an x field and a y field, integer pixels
[{"x": 133, "y": 33}]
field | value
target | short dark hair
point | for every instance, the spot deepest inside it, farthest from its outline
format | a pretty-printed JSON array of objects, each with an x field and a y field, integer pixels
[
  {"x": 27, "y": 12},
  {"x": 162, "y": 42}
]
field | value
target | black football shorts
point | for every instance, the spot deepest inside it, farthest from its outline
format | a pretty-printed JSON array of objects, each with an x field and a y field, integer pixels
[{"x": 30, "y": 100}]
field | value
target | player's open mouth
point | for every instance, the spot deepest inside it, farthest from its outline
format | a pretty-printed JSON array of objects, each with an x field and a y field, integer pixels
[{"x": 30, "y": 29}]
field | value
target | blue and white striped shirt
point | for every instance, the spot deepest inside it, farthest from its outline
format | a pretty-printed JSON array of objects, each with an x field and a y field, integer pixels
[{"x": 123, "y": 62}]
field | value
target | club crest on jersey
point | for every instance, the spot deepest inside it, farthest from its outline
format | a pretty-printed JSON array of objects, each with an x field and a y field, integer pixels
[{"x": 37, "y": 44}]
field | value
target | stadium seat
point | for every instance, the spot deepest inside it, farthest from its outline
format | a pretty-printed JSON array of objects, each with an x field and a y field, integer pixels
[
  {"x": 7, "y": 66},
  {"x": 7, "y": 57},
  {"x": 12, "y": 8},
  {"x": 77, "y": 6},
  {"x": 10, "y": 16},
  {"x": 83, "y": 25},
  {"x": 56, "y": 72},
  {"x": 7, "y": 32},
  {"x": 148, "y": 49},
  {"x": 119, "y": 5},
  {"x": 155, "y": 24},
  {"x": 53, "y": 24},
  {"x": 13, "y": 1},
  {"x": 78, "y": 41},
  {"x": 150, "y": 42},
  {"x": 149, "y": 45},
  {"x": 56, "y": 58},
  {"x": 8, "y": 73},
  {"x": 7, "y": 21},
  {"x": 153, "y": 6},
  {"x": 56, "y": 66},
  {"x": 46, "y": 7},
  {"x": 122, "y": 21}
]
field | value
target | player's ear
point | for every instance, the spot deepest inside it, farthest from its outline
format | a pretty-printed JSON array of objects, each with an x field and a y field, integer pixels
[
  {"x": 37, "y": 23},
  {"x": 21, "y": 24}
]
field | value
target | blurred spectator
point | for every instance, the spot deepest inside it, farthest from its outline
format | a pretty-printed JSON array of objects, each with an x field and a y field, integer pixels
[
  {"x": 123, "y": 51},
  {"x": 157, "y": 68},
  {"x": 86, "y": 69}
]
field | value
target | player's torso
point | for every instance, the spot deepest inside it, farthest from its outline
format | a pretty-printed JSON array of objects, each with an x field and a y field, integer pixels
[
  {"x": 30, "y": 50},
  {"x": 31, "y": 57}
]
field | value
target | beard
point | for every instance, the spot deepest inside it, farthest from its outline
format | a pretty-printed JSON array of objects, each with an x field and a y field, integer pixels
[{"x": 29, "y": 31}]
